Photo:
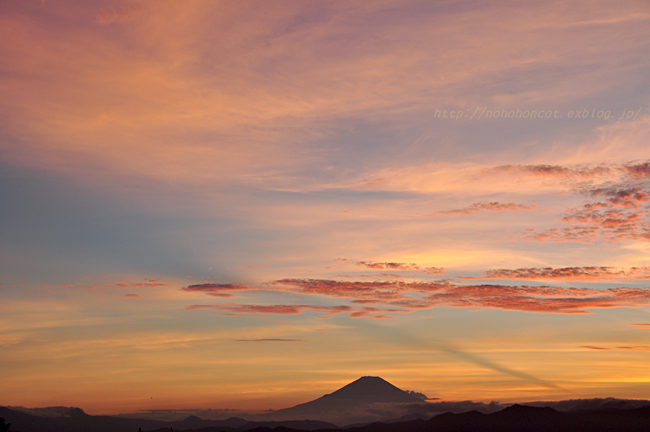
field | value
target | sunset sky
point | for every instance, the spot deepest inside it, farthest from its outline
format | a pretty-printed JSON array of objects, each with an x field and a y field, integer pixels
[{"x": 248, "y": 204}]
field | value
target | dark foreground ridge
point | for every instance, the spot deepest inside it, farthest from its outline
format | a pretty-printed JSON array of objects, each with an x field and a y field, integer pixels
[
  {"x": 516, "y": 418},
  {"x": 368, "y": 394}
]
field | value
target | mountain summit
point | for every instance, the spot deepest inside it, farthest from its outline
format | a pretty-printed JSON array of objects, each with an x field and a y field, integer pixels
[
  {"x": 369, "y": 389},
  {"x": 349, "y": 402}
]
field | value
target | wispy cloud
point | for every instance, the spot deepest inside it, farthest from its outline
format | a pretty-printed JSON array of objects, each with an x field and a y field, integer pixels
[
  {"x": 394, "y": 266},
  {"x": 112, "y": 14},
  {"x": 248, "y": 309},
  {"x": 217, "y": 290},
  {"x": 593, "y": 273},
  {"x": 490, "y": 206},
  {"x": 618, "y": 348},
  {"x": 269, "y": 340},
  {"x": 617, "y": 195},
  {"x": 148, "y": 283},
  {"x": 555, "y": 171}
]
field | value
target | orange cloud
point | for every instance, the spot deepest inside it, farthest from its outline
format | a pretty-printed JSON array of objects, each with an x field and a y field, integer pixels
[{"x": 642, "y": 326}]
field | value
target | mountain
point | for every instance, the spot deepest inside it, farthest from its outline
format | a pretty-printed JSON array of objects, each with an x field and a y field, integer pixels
[
  {"x": 73, "y": 419},
  {"x": 366, "y": 399},
  {"x": 63, "y": 419},
  {"x": 519, "y": 418}
]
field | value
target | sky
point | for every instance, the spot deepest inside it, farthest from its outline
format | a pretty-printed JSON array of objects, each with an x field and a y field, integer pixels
[{"x": 246, "y": 205}]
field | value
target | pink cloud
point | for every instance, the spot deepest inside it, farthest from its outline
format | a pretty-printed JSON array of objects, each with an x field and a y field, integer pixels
[
  {"x": 490, "y": 206},
  {"x": 433, "y": 271},
  {"x": 240, "y": 309},
  {"x": 618, "y": 195},
  {"x": 269, "y": 340},
  {"x": 148, "y": 283},
  {"x": 382, "y": 265},
  {"x": 567, "y": 273},
  {"x": 111, "y": 14},
  {"x": 394, "y": 266},
  {"x": 557, "y": 171},
  {"x": 132, "y": 295},
  {"x": 638, "y": 170},
  {"x": 376, "y": 312},
  {"x": 410, "y": 296},
  {"x": 619, "y": 348},
  {"x": 376, "y": 290},
  {"x": 217, "y": 290},
  {"x": 371, "y": 183}
]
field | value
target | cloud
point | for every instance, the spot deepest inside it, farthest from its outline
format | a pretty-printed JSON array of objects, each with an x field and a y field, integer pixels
[
  {"x": 490, "y": 206},
  {"x": 148, "y": 283},
  {"x": 618, "y": 196},
  {"x": 109, "y": 15},
  {"x": 269, "y": 340},
  {"x": 624, "y": 195},
  {"x": 382, "y": 265},
  {"x": 385, "y": 296},
  {"x": 538, "y": 299},
  {"x": 371, "y": 183},
  {"x": 619, "y": 348},
  {"x": 132, "y": 295},
  {"x": 394, "y": 266},
  {"x": 638, "y": 170},
  {"x": 567, "y": 273},
  {"x": 247, "y": 309},
  {"x": 217, "y": 290},
  {"x": 376, "y": 313},
  {"x": 554, "y": 171},
  {"x": 641, "y": 326},
  {"x": 376, "y": 290}
]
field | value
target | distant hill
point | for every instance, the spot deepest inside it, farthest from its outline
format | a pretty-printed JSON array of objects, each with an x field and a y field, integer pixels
[
  {"x": 64, "y": 419},
  {"x": 519, "y": 418}
]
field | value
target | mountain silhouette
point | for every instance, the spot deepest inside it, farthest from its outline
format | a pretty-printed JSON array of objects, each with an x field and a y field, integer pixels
[
  {"x": 369, "y": 389},
  {"x": 347, "y": 404}
]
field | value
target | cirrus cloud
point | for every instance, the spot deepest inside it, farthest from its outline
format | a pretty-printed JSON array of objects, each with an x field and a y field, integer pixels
[{"x": 567, "y": 273}]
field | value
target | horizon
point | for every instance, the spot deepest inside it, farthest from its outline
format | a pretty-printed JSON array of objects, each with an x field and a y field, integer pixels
[
  {"x": 361, "y": 384},
  {"x": 244, "y": 205}
]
